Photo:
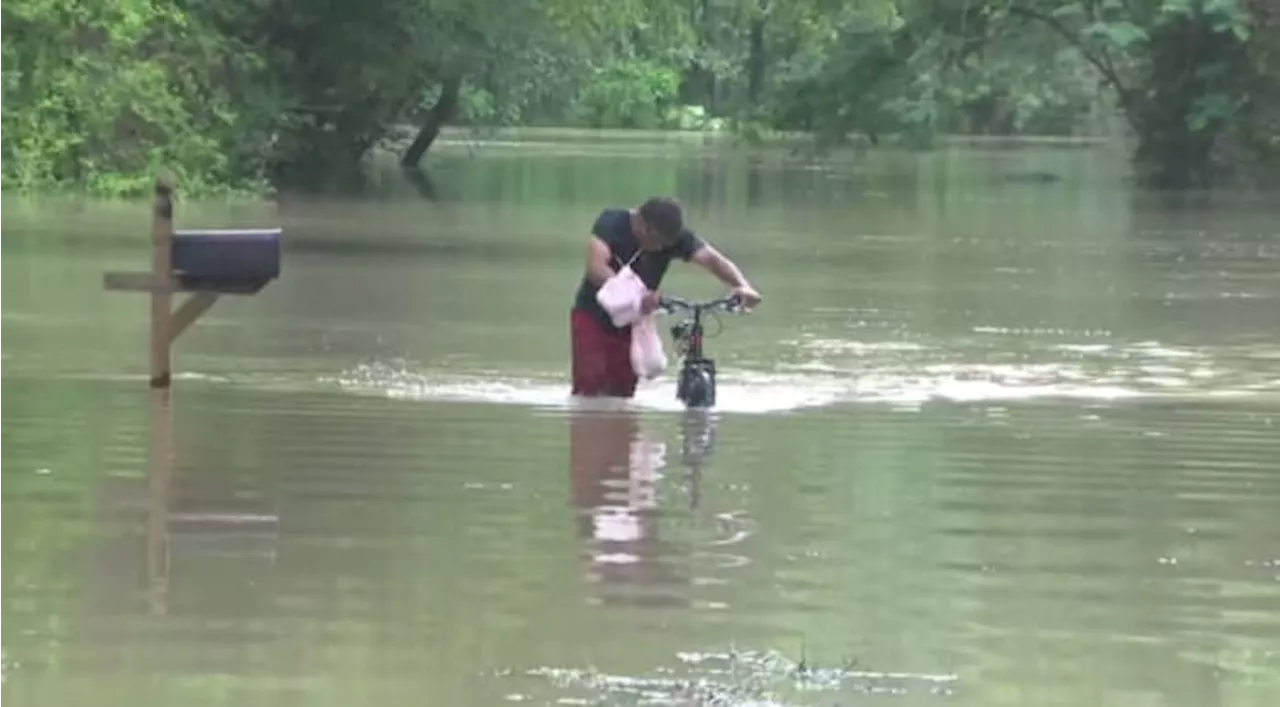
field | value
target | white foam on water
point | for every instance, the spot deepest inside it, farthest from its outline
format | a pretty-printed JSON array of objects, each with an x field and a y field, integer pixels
[
  {"x": 825, "y": 372},
  {"x": 746, "y": 392},
  {"x": 734, "y": 394}
]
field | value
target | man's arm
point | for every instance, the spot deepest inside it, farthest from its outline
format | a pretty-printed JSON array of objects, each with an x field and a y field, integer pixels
[
  {"x": 598, "y": 255},
  {"x": 723, "y": 268},
  {"x": 728, "y": 273}
]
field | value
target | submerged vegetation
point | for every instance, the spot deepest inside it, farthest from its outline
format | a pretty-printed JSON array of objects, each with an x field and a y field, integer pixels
[{"x": 251, "y": 95}]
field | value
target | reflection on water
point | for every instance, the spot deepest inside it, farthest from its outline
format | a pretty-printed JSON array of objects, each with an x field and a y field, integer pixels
[
  {"x": 201, "y": 516},
  {"x": 984, "y": 445},
  {"x": 616, "y": 468},
  {"x": 628, "y": 486},
  {"x": 159, "y": 483}
]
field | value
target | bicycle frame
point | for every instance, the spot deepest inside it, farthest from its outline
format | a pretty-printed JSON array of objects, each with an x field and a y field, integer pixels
[{"x": 696, "y": 387}]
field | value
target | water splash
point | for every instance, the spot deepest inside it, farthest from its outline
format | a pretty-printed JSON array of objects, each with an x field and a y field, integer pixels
[
  {"x": 743, "y": 678},
  {"x": 825, "y": 372},
  {"x": 737, "y": 392},
  {"x": 821, "y": 372}
]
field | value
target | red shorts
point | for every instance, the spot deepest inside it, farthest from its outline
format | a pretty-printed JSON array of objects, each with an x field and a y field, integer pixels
[{"x": 601, "y": 358}]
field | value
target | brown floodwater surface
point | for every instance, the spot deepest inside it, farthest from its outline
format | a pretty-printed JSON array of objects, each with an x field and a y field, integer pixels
[{"x": 986, "y": 443}]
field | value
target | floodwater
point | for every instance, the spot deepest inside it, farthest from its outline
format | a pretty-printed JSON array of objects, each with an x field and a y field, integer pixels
[{"x": 990, "y": 441}]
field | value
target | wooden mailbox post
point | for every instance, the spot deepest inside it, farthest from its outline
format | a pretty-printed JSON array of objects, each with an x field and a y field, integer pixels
[{"x": 206, "y": 263}]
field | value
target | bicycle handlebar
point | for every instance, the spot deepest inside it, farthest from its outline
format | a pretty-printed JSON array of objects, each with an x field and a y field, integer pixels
[{"x": 669, "y": 305}]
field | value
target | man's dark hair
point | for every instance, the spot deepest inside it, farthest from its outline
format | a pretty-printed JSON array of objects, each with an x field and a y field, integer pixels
[{"x": 664, "y": 215}]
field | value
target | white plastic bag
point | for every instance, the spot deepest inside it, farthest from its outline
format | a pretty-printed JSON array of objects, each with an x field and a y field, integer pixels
[
  {"x": 648, "y": 359},
  {"x": 622, "y": 294}
]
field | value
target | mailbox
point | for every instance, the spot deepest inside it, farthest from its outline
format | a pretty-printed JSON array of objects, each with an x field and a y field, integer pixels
[
  {"x": 238, "y": 261},
  {"x": 206, "y": 263}
]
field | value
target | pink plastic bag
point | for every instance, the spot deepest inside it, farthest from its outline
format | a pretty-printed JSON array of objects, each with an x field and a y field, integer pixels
[
  {"x": 622, "y": 294},
  {"x": 648, "y": 359}
]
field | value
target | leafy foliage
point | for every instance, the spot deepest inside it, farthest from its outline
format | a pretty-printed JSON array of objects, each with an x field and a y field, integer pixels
[
  {"x": 629, "y": 93},
  {"x": 243, "y": 94},
  {"x": 99, "y": 94},
  {"x": 1180, "y": 71}
]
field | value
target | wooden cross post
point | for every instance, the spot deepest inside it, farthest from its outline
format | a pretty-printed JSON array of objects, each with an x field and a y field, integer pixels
[{"x": 226, "y": 261}]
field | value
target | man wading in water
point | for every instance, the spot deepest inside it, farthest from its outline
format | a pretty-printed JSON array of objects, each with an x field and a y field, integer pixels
[{"x": 652, "y": 234}]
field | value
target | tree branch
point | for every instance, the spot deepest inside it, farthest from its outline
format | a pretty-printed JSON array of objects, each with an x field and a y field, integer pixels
[{"x": 1101, "y": 63}]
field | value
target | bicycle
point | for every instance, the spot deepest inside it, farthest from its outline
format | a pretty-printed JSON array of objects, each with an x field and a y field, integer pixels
[{"x": 696, "y": 387}]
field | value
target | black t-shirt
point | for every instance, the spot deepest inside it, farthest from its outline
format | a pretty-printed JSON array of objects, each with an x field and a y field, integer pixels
[{"x": 613, "y": 226}]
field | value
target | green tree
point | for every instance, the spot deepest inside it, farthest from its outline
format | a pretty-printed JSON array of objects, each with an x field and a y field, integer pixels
[
  {"x": 99, "y": 94},
  {"x": 242, "y": 94},
  {"x": 1180, "y": 70}
]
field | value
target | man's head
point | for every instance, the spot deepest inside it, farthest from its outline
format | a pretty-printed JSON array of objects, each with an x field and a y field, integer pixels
[{"x": 662, "y": 220}]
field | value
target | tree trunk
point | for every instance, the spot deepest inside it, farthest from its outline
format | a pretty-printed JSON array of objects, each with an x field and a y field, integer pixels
[
  {"x": 443, "y": 111},
  {"x": 698, "y": 86},
  {"x": 1174, "y": 152},
  {"x": 756, "y": 62},
  {"x": 1253, "y": 144},
  {"x": 423, "y": 183},
  {"x": 1188, "y": 61}
]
